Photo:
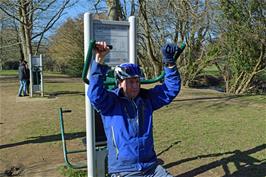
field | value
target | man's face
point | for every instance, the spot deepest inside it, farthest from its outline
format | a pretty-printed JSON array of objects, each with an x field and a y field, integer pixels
[{"x": 130, "y": 86}]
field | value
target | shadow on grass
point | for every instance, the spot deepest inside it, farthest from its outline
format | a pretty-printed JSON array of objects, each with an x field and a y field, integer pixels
[
  {"x": 59, "y": 93},
  {"x": 220, "y": 101},
  {"x": 45, "y": 139},
  {"x": 226, "y": 98},
  {"x": 168, "y": 148},
  {"x": 246, "y": 165}
]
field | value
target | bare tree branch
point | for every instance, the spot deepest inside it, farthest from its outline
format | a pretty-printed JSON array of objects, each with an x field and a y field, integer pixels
[
  {"x": 51, "y": 23},
  {"x": 9, "y": 13}
]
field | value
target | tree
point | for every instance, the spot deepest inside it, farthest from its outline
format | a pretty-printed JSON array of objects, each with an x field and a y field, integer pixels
[
  {"x": 177, "y": 22},
  {"x": 117, "y": 10},
  {"x": 66, "y": 44},
  {"x": 241, "y": 44},
  {"x": 66, "y": 47},
  {"x": 34, "y": 19},
  {"x": 9, "y": 40}
]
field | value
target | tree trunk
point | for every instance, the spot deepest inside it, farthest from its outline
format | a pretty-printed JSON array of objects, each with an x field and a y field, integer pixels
[
  {"x": 148, "y": 39},
  {"x": 25, "y": 28},
  {"x": 115, "y": 12},
  {"x": 25, "y": 10}
]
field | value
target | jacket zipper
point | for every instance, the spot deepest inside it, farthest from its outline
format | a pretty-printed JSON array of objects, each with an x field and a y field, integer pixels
[
  {"x": 114, "y": 142},
  {"x": 137, "y": 121},
  {"x": 137, "y": 115}
]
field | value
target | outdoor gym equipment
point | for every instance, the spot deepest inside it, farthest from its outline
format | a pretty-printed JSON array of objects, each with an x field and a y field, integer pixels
[
  {"x": 109, "y": 82},
  {"x": 122, "y": 37},
  {"x": 65, "y": 149},
  {"x": 36, "y": 75}
]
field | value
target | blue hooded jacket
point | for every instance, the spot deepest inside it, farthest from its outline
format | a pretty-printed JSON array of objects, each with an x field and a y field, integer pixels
[{"x": 128, "y": 122}]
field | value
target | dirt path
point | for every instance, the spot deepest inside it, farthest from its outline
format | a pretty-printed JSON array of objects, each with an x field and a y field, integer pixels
[{"x": 21, "y": 154}]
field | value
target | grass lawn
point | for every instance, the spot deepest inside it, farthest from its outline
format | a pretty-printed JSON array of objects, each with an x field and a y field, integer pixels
[
  {"x": 8, "y": 72},
  {"x": 206, "y": 133},
  {"x": 201, "y": 133},
  {"x": 46, "y": 73}
]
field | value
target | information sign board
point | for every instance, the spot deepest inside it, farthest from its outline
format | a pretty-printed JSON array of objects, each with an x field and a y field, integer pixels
[
  {"x": 116, "y": 35},
  {"x": 36, "y": 75}
]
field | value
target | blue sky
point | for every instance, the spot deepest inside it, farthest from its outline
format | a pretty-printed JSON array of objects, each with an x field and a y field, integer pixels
[{"x": 81, "y": 7}]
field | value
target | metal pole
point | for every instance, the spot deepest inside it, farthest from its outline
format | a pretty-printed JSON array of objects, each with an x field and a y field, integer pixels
[
  {"x": 30, "y": 67},
  {"x": 41, "y": 75},
  {"x": 90, "y": 134},
  {"x": 132, "y": 39}
]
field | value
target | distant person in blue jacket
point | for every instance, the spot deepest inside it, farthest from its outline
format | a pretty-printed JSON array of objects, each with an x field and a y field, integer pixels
[{"x": 126, "y": 112}]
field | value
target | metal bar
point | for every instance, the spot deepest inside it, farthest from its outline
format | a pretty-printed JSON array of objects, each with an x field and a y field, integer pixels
[
  {"x": 62, "y": 129},
  {"x": 132, "y": 39},
  {"x": 30, "y": 67},
  {"x": 87, "y": 62},
  {"x": 41, "y": 75},
  {"x": 90, "y": 123},
  {"x": 157, "y": 79}
]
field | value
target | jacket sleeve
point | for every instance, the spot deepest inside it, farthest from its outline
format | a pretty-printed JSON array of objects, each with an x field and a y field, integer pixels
[
  {"x": 99, "y": 96},
  {"x": 164, "y": 94}
]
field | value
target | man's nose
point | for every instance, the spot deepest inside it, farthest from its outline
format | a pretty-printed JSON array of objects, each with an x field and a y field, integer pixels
[{"x": 135, "y": 85}]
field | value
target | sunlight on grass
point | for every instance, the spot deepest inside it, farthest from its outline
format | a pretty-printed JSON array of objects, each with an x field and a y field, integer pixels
[
  {"x": 45, "y": 73},
  {"x": 199, "y": 127},
  {"x": 205, "y": 127},
  {"x": 8, "y": 73},
  {"x": 68, "y": 172}
]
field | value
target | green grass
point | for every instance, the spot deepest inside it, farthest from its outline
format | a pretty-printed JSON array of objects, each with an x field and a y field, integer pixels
[
  {"x": 8, "y": 72},
  {"x": 204, "y": 128},
  {"x": 57, "y": 88},
  {"x": 46, "y": 73},
  {"x": 54, "y": 74},
  {"x": 189, "y": 134},
  {"x": 68, "y": 172},
  {"x": 253, "y": 98},
  {"x": 197, "y": 132}
]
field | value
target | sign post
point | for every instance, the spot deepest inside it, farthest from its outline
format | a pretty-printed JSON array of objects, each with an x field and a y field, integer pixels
[
  {"x": 36, "y": 75},
  {"x": 121, "y": 35}
]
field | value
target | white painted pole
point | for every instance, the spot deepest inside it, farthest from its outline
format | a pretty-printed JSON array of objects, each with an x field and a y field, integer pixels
[
  {"x": 90, "y": 133},
  {"x": 30, "y": 67},
  {"x": 41, "y": 75},
  {"x": 132, "y": 39}
]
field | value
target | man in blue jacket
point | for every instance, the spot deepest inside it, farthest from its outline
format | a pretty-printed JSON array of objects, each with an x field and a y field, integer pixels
[{"x": 126, "y": 112}]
